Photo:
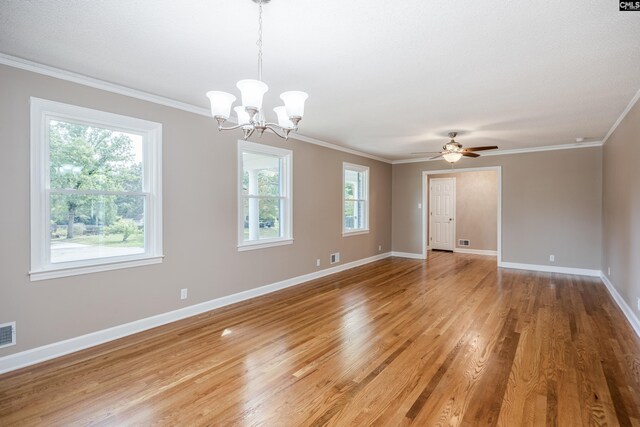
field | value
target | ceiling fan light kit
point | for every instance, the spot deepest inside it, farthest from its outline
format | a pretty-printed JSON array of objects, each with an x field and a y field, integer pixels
[
  {"x": 452, "y": 151},
  {"x": 250, "y": 115},
  {"x": 452, "y": 157}
]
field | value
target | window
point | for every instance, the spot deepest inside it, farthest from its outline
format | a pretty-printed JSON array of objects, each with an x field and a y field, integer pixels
[
  {"x": 355, "y": 205},
  {"x": 95, "y": 191},
  {"x": 264, "y": 202}
]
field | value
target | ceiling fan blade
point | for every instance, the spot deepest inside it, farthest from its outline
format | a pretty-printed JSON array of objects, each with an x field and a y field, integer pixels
[
  {"x": 436, "y": 157},
  {"x": 427, "y": 152},
  {"x": 470, "y": 154},
  {"x": 488, "y": 147}
]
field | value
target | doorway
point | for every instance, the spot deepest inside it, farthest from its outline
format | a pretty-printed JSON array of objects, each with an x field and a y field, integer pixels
[
  {"x": 456, "y": 214},
  {"x": 442, "y": 213}
]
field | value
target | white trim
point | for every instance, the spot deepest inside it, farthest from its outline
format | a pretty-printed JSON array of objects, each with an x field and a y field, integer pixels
[
  {"x": 453, "y": 238},
  {"x": 34, "y": 67},
  {"x": 42, "y": 110},
  {"x": 61, "y": 348},
  {"x": 631, "y": 104},
  {"x": 485, "y": 252},
  {"x": 624, "y": 307},
  {"x": 513, "y": 151},
  {"x": 105, "y": 265},
  {"x": 286, "y": 195},
  {"x": 425, "y": 174},
  {"x": 407, "y": 255},
  {"x": 552, "y": 269},
  {"x": 46, "y": 70},
  {"x": 261, "y": 245},
  {"x": 365, "y": 171},
  {"x": 355, "y": 233},
  {"x": 331, "y": 146}
]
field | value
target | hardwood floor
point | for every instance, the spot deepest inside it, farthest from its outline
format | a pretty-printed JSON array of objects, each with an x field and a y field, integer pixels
[{"x": 451, "y": 341}]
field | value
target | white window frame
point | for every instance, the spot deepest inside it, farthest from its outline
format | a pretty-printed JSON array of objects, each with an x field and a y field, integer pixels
[
  {"x": 363, "y": 169},
  {"x": 286, "y": 194},
  {"x": 41, "y": 112}
]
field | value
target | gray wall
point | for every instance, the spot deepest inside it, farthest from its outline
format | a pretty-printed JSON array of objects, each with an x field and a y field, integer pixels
[
  {"x": 476, "y": 208},
  {"x": 551, "y": 204},
  {"x": 621, "y": 208},
  {"x": 199, "y": 180}
]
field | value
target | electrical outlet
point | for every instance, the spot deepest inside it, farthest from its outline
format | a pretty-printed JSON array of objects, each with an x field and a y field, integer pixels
[
  {"x": 419, "y": 205},
  {"x": 638, "y": 304},
  {"x": 318, "y": 262},
  {"x": 183, "y": 293},
  {"x": 608, "y": 271},
  {"x": 552, "y": 258},
  {"x": 379, "y": 248}
]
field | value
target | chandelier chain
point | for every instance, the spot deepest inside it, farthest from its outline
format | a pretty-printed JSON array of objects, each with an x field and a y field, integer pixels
[
  {"x": 251, "y": 114},
  {"x": 259, "y": 42}
]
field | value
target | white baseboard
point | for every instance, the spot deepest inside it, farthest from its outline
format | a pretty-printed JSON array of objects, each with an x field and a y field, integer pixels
[
  {"x": 475, "y": 251},
  {"x": 628, "y": 312},
  {"x": 407, "y": 255},
  {"x": 551, "y": 269},
  {"x": 61, "y": 348}
]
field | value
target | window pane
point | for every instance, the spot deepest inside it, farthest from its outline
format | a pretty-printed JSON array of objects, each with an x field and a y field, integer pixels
[
  {"x": 89, "y": 227},
  {"x": 353, "y": 185},
  {"x": 92, "y": 158},
  {"x": 261, "y": 174},
  {"x": 354, "y": 215},
  {"x": 262, "y": 218}
]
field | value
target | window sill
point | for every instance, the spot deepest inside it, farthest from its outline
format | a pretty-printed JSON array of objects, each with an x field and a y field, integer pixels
[
  {"x": 354, "y": 232},
  {"x": 261, "y": 245},
  {"x": 55, "y": 273}
]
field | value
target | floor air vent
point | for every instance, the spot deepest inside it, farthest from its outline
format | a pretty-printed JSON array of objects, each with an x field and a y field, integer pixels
[{"x": 7, "y": 334}]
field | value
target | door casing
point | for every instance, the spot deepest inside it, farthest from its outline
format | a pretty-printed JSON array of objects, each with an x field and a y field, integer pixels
[{"x": 423, "y": 205}]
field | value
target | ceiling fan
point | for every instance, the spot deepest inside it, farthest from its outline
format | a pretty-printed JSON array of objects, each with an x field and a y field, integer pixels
[{"x": 452, "y": 151}]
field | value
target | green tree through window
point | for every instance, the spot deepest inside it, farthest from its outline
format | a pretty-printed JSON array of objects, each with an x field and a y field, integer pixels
[{"x": 90, "y": 158}]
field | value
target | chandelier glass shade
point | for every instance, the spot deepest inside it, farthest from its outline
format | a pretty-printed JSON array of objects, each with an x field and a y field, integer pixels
[{"x": 250, "y": 114}]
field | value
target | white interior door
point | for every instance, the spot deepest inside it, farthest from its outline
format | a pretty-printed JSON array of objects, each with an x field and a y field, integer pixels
[{"x": 442, "y": 215}]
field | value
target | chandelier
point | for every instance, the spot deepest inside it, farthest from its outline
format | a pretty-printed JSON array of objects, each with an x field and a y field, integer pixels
[{"x": 250, "y": 114}]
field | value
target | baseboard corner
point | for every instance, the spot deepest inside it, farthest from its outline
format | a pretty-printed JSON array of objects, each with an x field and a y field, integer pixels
[{"x": 622, "y": 304}]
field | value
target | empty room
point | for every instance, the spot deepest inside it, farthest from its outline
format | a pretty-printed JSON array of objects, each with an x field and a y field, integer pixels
[{"x": 319, "y": 213}]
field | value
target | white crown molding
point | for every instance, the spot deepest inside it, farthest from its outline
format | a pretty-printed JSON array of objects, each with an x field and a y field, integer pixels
[
  {"x": 70, "y": 76},
  {"x": 315, "y": 141},
  {"x": 513, "y": 151},
  {"x": 61, "y": 348},
  {"x": 24, "y": 64},
  {"x": 624, "y": 307},
  {"x": 551, "y": 269},
  {"x": 46, "y": 70},
  {"x": 631, "y": 104}
]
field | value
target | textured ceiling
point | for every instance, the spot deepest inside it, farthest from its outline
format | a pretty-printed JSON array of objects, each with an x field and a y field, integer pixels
[{"x": 385, "y": 77}]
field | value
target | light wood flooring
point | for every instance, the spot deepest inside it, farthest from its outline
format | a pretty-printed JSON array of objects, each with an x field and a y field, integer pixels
[{"x": 450, "y": 341}]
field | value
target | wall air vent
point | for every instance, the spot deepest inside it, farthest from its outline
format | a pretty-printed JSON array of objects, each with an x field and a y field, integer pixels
[
  {"x": 334, "y": 258},
  {"x": 463, "y": 242},
  {"x": 7, "y": 334}
]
